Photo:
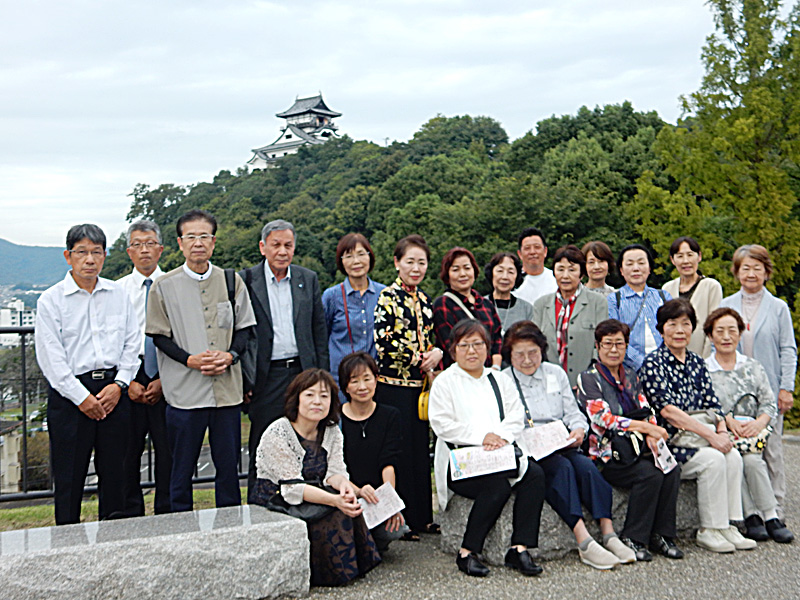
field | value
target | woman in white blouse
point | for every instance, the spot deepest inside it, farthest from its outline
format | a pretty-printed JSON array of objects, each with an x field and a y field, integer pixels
[
  {"x": 465, "y": 408},
  {"x": 572, "y": 478}
]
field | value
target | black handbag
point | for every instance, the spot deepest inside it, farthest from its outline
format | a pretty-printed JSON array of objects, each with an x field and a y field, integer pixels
[
  {"x": 310, "y": 512},
  {"x": 628, "y": 447}
]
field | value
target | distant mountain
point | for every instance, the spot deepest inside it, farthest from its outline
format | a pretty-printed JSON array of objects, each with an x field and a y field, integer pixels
[{"x": 34, "y": 265}]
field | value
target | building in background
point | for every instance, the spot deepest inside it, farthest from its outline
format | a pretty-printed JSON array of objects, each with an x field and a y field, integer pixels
[
  {"x": 14, "y": 314},
  {"x": 308, "y": 121},
  {"x": 10, "y": 448}
]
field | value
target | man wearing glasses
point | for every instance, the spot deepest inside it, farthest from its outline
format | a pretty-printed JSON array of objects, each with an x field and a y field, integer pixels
[
  {"x": 200, "y": 333},
  {"x": 87, "y": 344},
  {"x": 148, "y": 410}
]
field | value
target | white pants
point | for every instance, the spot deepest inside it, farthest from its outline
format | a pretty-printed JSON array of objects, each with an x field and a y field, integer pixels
[
  {"x": 719, "y": 486},
  {"x": 757, "y": 494},
  {"x": 773, "y": 454}
]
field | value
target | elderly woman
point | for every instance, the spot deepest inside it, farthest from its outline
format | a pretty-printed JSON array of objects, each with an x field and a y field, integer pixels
[
  {"x": 703, "y": 292},
  {"x": 599, "y": 263},
  {"x": 406, "y": 356},
  {"x": 636, "y": 303},
  {"x": 676, "y": 383},
  {"x": 504, "y": 274},
  {"x": 460, "y": 301},
  {"x": 568, "y": 317},
  {"x": 742, "y": 386},
  {"x": 372, "y": 438},
  {"x": 306, "y": 446},
  {"x": 620, "y": 416},
  {"x": 472, "y": 406},
  {"x": 572, "y": 478},
  {"x": 768, "y": 337},
  {"x": 350, "y": 306}
]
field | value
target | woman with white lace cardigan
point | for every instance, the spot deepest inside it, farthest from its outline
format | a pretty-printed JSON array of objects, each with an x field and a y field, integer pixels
[{"x": 304, "y": 447}]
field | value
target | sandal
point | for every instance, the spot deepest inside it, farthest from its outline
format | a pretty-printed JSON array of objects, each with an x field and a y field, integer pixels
[
  {"x": 432, "y": 528},
  {"x": 410, "y": 536}
]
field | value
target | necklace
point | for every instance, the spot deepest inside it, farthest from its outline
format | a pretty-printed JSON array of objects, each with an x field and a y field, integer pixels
[{"x": 364, "y": 427}]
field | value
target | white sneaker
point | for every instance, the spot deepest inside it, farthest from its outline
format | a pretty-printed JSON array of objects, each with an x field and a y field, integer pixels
[
  {"x": 625, "y": 555},
  {"x": 598, "y": 557},
  {"x": 737, "y": 539},
  {"x": 712, "y": 539}
]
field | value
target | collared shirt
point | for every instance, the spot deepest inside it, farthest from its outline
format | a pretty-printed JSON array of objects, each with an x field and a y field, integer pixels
[
  {"x": 446, "y": 313},
  {"x": 361, "y": 310},
  {"x": 535, "y": 286},
  {"x": 134, "y": 285},
  {"x": 629, "y": 304},
  {"x": 198, "y": 316},
  {"x": 548, "y": 396},
  {"x": 684, "y": 385},
  {"x": 78, "y": 332},
  {"x": 198, "y": 276},
  {"x": 281, "y": 308}
]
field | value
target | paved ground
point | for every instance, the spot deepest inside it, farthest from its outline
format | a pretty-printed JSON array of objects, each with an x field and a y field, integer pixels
[{"x": 770, "y": 572}]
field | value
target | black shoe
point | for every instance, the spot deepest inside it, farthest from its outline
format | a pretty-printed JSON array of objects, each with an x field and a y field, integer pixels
[
  {"x": 642, "y": 553},
  {"x": 470, "y": 565},
  {"x": 665, "y": 546},
  {"x": 522, "y": 562},
  {"x": 778, "y": 531},
  {"x": 754, "y": 529}
]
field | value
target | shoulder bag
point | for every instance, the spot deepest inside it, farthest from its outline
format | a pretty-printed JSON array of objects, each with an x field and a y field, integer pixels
[
  {"x": 751, "y": 444},
  {"x": 690, "y": 439}
]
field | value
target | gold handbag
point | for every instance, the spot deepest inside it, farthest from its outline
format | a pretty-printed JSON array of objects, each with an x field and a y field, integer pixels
[{"x": 422, "y": 402}]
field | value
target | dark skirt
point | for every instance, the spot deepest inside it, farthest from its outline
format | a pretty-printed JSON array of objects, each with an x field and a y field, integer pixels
[{"x": 413, "y": 466}]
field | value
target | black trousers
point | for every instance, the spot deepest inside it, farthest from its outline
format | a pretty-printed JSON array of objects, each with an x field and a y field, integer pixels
[
  {"x": 73, "y": 436},
  {"x": 267, "y": 409},
  {"x": 147, "y": 419},
  {"x": 490, "y": 493},
  {"x": 413, "y": 466},
  {"x": 652, "y": 501}
]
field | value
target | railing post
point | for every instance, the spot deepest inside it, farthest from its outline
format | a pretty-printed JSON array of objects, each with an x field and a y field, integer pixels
[{"x": 24, "y": 415}]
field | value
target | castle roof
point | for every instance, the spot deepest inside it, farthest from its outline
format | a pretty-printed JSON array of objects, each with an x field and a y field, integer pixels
[{"x": 312, "y": 104}]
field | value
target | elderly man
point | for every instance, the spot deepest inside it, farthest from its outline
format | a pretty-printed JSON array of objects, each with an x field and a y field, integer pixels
[
  {"x": 200, "y": 331},
  {"x": 87, "y": 344},
  {"x": 291, "y": 330},
  {"x": 539, "y": 281},
  {"x": 148, "y": 410}
]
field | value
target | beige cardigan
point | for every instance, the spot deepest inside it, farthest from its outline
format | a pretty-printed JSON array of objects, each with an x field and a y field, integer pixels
[{"x": 705, "y": 300}]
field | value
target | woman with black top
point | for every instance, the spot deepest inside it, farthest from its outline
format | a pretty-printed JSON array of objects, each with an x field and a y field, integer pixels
[
  {"x": 372, "y": 438},
  {"x": 504, "y": 274}
]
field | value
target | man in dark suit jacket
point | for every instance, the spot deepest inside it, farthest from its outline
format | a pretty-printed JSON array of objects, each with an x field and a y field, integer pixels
[{"x": 291, "y": 331}]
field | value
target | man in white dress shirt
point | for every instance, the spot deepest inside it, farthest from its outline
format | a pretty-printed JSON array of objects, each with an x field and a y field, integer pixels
[
  {"x": 148, "y": 408},
  {"x": 87, "y": 344},
  {"x": 539, "y": 280}
]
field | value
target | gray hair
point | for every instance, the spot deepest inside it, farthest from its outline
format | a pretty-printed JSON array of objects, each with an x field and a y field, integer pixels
[
  {"x": 277, "y": 225},
  {"x": 87, "y": 231},
  {"x": 145, "y": 226}
]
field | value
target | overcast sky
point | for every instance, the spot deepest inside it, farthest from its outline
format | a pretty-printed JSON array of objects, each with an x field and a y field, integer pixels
[{"x": 97, "y": 96}]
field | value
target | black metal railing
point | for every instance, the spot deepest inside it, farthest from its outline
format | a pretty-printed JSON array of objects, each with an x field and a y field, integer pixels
[{"x": 20, "y": 400}]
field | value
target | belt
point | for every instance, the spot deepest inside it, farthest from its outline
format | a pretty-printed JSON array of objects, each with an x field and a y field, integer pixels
[
  {"x": 285, "y": 363},
  {"x": 99, "y": 374}
]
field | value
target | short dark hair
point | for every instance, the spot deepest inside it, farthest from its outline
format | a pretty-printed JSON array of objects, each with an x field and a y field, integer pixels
[
  {"x": 348, "y": 243},
  {"x": 407, "y": 242},
  {"x": 530, "y": 232},
  {"x": 464, "y": 328},
  {"x": 352, "y": 364},
  {"x": 635, "y": 247},
  {"x": 196, "y": 215},
  {"x": 143, "y": 226},
  {"x": 573, "y": 254},
  {"x": 601, "y": 251},
  {"x": 451, "y": 257},
  {"x": 488, "y": 271},
  {"x": 302, "y": 382},
  {"x": 672, "y": 309},
  {"x": 611, "y": 327},
  {"x": 715, "y": 316},
  {"x": 86, "y": 231},
  {"x": 694, "y": 246},
  {"x": 519, "y": 331}
]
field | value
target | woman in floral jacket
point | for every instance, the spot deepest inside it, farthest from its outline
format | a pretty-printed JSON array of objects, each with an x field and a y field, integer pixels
[{"x": 406, "y": 356}]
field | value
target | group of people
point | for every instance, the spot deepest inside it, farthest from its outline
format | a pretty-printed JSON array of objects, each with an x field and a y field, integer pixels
[{"x": 337, "y": 384}]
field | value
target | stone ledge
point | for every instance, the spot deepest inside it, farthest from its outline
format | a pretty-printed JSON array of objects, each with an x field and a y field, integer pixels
[
  {"x": 555, "y": 538},
  {"x": 239, "y": 552}
]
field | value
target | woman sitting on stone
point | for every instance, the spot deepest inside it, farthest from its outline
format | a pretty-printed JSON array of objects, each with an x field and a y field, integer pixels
[
  {"x": 465, "y": 410},
  {"x": 306, "y": 445}
]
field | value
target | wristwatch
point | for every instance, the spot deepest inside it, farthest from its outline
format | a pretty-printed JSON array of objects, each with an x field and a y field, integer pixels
[
  {"x": 122, "y": 385},
  {"x": 234, "y": 356}
]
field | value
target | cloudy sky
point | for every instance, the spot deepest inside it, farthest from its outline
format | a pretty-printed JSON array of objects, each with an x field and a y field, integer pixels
[{"x": 97, "y": 96}]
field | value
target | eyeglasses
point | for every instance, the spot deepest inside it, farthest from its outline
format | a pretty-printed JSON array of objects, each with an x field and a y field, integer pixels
[
  {"x": 191, "y": 238},
  {"x": 150, "y": 244},
  {"x": 610, "y": 345},
  {"x": 84, "y": 253},
  {"x": 523, "y": 356},
  {"x": 472, "y": 345},
  {"x": 350, "y": 256}
]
